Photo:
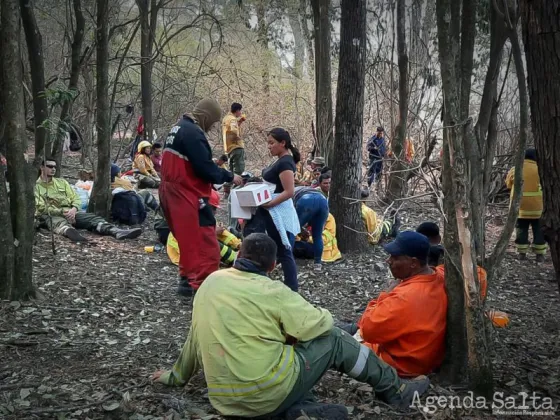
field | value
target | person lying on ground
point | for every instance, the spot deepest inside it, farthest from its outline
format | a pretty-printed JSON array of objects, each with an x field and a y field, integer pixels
[
  {"x": 377, "y": 227},
  {"x": 156, "y": 157},
  {"x": 248, "y": 376},
  {"x": 405, "y": 325},
  {"x": 312, "y": 210},
  {"x": 228, "y": 242},
  {"x": 144, "y": 168},
  {"x": 56, "y": 209},
  {"x": 303, "y": 247},
  {"x": 129, "y": 206}
]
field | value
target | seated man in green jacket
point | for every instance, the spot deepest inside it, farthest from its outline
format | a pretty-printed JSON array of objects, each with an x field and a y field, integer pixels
[
  {"x": 263, "y": 347},
  {"x": 56, "y": 208}
]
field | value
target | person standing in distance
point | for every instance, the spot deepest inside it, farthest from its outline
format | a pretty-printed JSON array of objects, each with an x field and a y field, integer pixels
[
  {"x": 233, "y": 143},
  {"x": 187, "y": 175}
]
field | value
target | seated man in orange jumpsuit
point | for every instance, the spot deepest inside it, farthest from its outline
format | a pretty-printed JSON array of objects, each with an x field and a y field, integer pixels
[{"x": 405, "y": 326}]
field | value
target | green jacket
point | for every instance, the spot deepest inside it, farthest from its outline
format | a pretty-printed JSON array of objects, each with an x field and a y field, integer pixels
[
  {"x": 240, "y": 325},
  {"x": 55, "y": 197}
]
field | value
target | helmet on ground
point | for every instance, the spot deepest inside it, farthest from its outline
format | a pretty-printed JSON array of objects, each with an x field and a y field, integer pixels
[
  {"x": 246, "y": 175},
  {"x": 143, "y": 144},
  {"x": 214, "y": 200}
]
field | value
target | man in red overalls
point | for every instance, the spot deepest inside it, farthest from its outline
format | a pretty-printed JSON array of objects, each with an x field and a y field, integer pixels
[{"x": 187, "y": 175}]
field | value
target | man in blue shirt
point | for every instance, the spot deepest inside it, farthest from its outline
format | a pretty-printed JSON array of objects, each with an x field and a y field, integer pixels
[{"x": 376, "y": 149}]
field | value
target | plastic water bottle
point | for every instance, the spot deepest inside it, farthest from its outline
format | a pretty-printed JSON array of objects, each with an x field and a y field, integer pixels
[
  {"x": 154, "y": 248},
  {"x": 499, "y": 319}
]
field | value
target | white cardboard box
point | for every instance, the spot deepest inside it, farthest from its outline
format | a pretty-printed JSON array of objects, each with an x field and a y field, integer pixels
[
  {"x": 238, "y": 212},
  {"x": 253, "y": 195}
]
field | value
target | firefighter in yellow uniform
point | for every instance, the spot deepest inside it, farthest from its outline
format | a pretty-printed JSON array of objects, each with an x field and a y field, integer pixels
[
  {"x": 530, "y": 209},
  {"x": 331, "y": 252},
  {"x": 233, "y": 142},
  {"x": 376, "y": 227}
]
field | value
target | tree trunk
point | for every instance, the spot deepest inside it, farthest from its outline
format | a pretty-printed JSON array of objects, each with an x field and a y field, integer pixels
[
  {"x": 498, "y": 253},
  {"x": 89, "y": 104},
  {"x": 101, "y": 195},
  {"x": 397, "y": 178},
  {"x": 299, "y": 42},
  {"x": 16, "y": 210},
  {"x": 323, "y": 82},
  {"x": 306, "y": 35},
  {"x": 148, "y": 21},
  {"x": 262, "y": 39},
  {"x": 467, "y": 347},
  {"x": 65, "y": 117},
  {"x": 347, "y": 162},
  {"x": 541, "y": 31},
  {"x": 37, "y": 68}
]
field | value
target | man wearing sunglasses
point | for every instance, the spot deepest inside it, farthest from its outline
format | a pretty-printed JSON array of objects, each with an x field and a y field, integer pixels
[{"x": 56, "y": 208}]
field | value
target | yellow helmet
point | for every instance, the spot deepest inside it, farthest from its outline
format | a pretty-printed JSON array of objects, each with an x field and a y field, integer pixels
[{"x": 143, "y": 144}]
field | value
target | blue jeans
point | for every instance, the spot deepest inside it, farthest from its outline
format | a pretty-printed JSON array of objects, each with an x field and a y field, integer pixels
[
  {"x": 262, "y": 222},
  {"x": 313, "y": 210},
  {"x": 375, "y": 168}
]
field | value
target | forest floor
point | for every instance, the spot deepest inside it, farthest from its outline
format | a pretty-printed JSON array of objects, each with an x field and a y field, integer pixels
[{"x": 109, "y": 317}]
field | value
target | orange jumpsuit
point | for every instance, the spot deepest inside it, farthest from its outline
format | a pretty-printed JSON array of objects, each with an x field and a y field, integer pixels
[{"x": 406, "y": 326}]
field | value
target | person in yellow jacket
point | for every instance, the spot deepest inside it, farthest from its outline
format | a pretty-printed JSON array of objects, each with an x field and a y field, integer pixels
[
  {"x": 262, "y": 347},
  {"x": 530, "y": 209},
  {"x": 57, "y": 208},
  {"x": 233, "y": 142},
  {"x": 303, "y": 247},
  {"x": 376, "y": 227},
  {"x": 144, "y": 167},
  {"x": 228, "y": 242}
]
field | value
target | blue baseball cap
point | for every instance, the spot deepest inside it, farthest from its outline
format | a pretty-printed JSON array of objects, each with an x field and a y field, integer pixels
[{"x": 411, "y": 244}]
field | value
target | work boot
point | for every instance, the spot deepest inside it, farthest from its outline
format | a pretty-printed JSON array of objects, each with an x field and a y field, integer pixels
[
  {"x": 405, "y": 395},
  {"x": 317, "y": 411},
  {"x": 522, "y": 256},
  {"x": 185, "y": 289},
  {"x": 120, "y": 234},
  {"x": 540, "y": 258},
  {"x": 74, "y": 235}
]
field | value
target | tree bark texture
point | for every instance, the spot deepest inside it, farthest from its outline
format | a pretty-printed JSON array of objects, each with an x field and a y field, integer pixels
[
  {"x": 100, "y": 200},
  {"x": 16, "y": 209},
  {"x": 299, "y": 42},
  {"x": 323, "y": 82},
  {"x": 37, "y": 68},
  {"x": 541, "y": 36},
  {"x": 262, "y": 37},
  {"x": 307, "y": 35},
  {"x": 75, "y": 66},
  {"x": 397, "y": 177},
  {"x": 347, "y": 161},
  {"x": 148, "y": 21},
  {"x": 467, "y": 345}
]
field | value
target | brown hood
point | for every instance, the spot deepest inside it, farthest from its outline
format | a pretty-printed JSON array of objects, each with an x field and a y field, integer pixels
[{"x": 206, "y": 113}]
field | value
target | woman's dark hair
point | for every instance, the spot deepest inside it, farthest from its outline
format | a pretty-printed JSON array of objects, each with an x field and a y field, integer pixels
[
  {"x": 531, "y": 154},
  {"x": 279, "y": 134},
  {"x": 236, "y": 107}
]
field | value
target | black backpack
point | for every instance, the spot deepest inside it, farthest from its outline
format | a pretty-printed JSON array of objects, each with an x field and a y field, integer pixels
[{"x": 128, "y": 208}]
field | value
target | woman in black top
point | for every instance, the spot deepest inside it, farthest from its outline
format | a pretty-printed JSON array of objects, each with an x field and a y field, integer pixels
[{"x": 281, "y": 173}]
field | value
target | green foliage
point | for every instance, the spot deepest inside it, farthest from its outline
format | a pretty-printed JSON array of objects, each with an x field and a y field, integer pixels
[{"x": 58, "y": 95}]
